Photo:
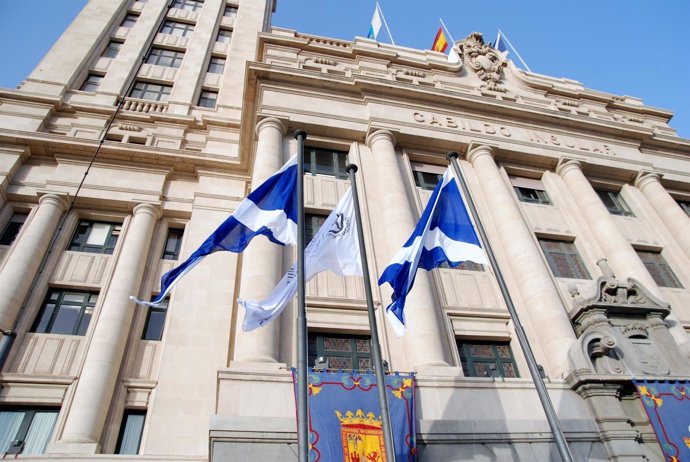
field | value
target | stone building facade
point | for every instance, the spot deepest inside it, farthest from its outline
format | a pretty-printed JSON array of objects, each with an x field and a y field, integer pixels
[{"x": 585, "y": 197}]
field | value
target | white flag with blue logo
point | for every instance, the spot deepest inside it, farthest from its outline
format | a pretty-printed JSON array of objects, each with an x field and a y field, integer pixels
[
  {"x": 271, "y": 210},
  {"x": 334, "y": 247},
  {"x": 444, "y": 234}
]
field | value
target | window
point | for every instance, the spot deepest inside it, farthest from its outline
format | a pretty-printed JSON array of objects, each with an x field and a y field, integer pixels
[
  {"x": 208, "y": 98},
  {"x": 151, "y": 91},
  {"x": 91, "y": 83},
  {"x": 224, "y": 36},
  {"x": 95, "y": 237},
  {"x": 112, "y": 49},
  {"x": 312, "y": 223},
  {"x": 487, "y": 359},
  {"x": 26, "y": 430},
  {"x": 179, "y": 29},
  {"x": 342, "y": 351},
  {"x": 189, "y": 5},
  {"x": 167, "y": 58},
  {"x": 659, "y": 269},
  {"x": 614, "y": 203},
  {"x": 12, "y": 228},
  {"x": 563, "y": 259},
  {"x": 155, "y": 321},
  {"x": 216, "y": 65},
  {"x": 130, "y": 431},
  {"x": 65, "y": 312},
  {"x": 230, "y": 12},
  {"x": 130, "y": 20},
  {"x": 685, "y": 205},
  {"x": 173, "y": 242},
  {"x": 533, "y": 196},
  {"x": 318, "y": 161},
  {"x": 426, "y": 180}
]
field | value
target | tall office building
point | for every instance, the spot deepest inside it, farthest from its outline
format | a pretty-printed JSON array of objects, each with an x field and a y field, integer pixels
[{"x": 176, "y": 110}]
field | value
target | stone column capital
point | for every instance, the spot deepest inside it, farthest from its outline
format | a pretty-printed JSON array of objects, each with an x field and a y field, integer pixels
[
  {"x": 151, "y": 209},
  {"x": 567, "y": 164},
  {"x": 646, "y": 177},
  {"x": 378, "y": 135},
  {"x": 271, "y": 122},
  {"x": 478, "y": 150},
  {"x": 54, "y": 200}
]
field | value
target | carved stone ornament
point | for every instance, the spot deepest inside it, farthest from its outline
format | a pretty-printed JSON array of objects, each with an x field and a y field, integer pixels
[
  {"x": 484, "y": 60},
  {"x": 621, "y": 332}
]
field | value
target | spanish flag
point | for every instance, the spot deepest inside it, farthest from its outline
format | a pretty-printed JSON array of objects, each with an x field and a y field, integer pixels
[{"x": 440, "y": 42}]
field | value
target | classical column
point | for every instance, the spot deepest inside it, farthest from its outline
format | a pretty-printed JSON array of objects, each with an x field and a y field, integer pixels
[
  {"x": 25, "y": 257},
  {"x": 423, "y": 341},
  {"x": 621, "y": 256},
  {"x": 539, "y": 294},
  {"x": 676, "y": 221},
  {"x": 261, "y": 261},
  {"x": 104, "y": 356}
]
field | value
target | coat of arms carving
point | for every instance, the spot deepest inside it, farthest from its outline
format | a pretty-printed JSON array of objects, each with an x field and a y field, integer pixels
[{"x": 484, "y": 60}]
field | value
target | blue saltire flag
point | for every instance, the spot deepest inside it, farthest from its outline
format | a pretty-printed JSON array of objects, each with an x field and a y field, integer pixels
[
  {"x": 444, "y": 234},
  {"x": 271, "y": 210}
]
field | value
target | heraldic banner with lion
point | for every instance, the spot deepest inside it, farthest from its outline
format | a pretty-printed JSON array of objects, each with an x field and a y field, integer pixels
[{"x": 345, "y": 417}]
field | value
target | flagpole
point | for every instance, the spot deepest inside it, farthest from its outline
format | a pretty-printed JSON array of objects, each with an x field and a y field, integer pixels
[
  {"x": 375, "y": 345},
  {"x": 546, "y": 403},
  {"x": 513, "y": 48},
  {"x": 447, "y": 31},
  {"x": 302, "y": 387},
  {"x": 385, "y": 23}
]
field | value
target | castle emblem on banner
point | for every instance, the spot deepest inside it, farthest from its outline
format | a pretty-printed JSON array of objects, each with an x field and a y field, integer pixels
[{"x": 361, "y": 437}]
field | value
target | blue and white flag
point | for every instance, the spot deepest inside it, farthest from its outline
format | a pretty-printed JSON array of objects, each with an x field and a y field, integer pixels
[
  {"x": 375, "y": 24},
  {"x": 271, "y": 210},
  {"x": 500, "y": 44},
  {"x": 444, "y": 234},
  {"x": 334, "y": 247}
]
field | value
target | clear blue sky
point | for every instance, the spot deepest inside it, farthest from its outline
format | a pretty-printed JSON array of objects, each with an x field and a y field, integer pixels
[{"x": 633, "y": 47}]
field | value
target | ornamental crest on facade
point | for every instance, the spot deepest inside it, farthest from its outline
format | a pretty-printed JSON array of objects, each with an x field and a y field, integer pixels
[{"x": 483, "y": 59}]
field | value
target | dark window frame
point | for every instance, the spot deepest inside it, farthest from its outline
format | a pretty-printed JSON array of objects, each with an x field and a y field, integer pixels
[
  {"x": 176, "y": 28},
  {"x": 164, "y": 57},
  {"x": 129, "y": 20},
  {"x": 173, "y": 237},
  {"x": 79, "y": 241},
  {"x": 142, "y": 89},
  {"x": 91, "y": 82},
  {"x": 659, "y": 269},
  {"x": 426, "y": 180},
  {"x": 45, "y": 322},
  {"x": 500, "y": 363},
  {"x": 230, "y": 11},
  {"x": 27, "y": 420},
  {"x": 316, "y": 348},
  {"x": 13, "y": 228},
  {"x": 154, "y": 326},
  {"x": 206, "y": 100},
  {"x": 312, "y": 224},
  {"x": 225, "y": 35},
  {"x": 614, "y": 203},
  {"x": 216, "y": 65},
  {"x": 574, "y": 265},
  {"x": 532, "y": 195},
  {"x": 123, "y": 428},
  {"x": 322, "y": 161},
  {"x": 188, "y": 5},
  {"x": 685, "y": 205},
  {"x": 112, "y": 49}
]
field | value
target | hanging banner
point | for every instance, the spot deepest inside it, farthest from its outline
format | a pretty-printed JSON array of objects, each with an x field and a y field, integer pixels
[
  {"x": 668, "y": 408},
  {"x": 345, "y": 417}
]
